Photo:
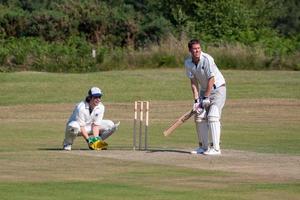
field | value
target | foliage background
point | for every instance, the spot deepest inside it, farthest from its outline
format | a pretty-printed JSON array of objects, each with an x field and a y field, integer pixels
[{"x": 59, "y": 35}]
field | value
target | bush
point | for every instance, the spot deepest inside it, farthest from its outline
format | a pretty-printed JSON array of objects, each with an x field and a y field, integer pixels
[
  {"x": 238, "y": 56},
  {"x": 75, "y": 55},
  {"x": 3, "y": 55}
]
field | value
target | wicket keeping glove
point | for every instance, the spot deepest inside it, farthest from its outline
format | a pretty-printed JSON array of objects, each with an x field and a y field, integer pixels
[
  {"x": 91, "y": 142},
  {"x": 95, "y": 143},
  {"x": 100, "y": 144}
]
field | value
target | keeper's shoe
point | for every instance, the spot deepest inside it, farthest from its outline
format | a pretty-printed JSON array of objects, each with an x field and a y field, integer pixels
[
  {"x": 199, "y": 150},
  {"x": 212, "y": 152},
  {"x": 67, "y": 147}
]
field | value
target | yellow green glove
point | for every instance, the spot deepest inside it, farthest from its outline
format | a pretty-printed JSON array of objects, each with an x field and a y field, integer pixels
[{"x": 95, "y": 143}]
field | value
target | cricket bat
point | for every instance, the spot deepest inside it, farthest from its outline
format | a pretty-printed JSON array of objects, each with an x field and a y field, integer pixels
[{"x": 178, "y": 122}]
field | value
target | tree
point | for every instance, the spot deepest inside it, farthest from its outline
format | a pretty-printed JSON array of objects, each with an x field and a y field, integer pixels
[{"x": 288, "y": 23}]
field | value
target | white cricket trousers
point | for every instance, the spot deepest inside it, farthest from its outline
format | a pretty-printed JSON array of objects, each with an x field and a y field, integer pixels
[{"x": 73, "y": 130}]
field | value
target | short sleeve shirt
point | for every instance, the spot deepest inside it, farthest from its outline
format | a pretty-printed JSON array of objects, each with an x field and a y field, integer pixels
[
  {"x": 82, "y": 114},
  {"x": 203, "y": 71}
]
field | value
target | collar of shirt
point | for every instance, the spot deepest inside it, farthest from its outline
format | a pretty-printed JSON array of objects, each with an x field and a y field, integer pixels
[
  {"x": 199, "y": 62},
  {"x": 87, "y": 106}
]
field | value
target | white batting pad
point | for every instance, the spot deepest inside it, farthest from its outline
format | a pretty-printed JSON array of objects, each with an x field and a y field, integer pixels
[
  {"x": 214, "y": 126},
  {"x": 201, "y": 115},
  {"x": 202, "y": 132},
  {"x": 215, "y": 130}
]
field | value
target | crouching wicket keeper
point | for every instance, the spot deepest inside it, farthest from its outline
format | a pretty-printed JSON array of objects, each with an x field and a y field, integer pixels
[{"x": 87, "y": 121}]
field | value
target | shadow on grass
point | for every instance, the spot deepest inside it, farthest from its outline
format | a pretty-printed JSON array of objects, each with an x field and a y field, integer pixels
[
  {"x": 167, "y": 150},
  {"x": 119, "y": 149},
  {"x": 59, "y": 149}
]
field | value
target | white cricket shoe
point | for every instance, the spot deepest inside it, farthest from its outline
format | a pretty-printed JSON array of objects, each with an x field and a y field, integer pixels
[
  {"x": 67, "y": 147},
  {"x": 212, "y": 152},
  {"x": 199, "y": 150}
]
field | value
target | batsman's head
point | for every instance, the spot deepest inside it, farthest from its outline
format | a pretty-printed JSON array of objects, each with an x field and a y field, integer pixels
[{"x": 195, "y": 49}]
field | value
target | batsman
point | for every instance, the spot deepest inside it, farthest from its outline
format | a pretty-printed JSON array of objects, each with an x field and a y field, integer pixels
[{"x": 209, "y": 92}]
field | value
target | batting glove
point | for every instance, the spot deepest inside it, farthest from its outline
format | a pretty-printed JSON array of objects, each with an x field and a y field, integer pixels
[
  {"x": 197, "y": 106},
  {"x": 205, "y": 102}
]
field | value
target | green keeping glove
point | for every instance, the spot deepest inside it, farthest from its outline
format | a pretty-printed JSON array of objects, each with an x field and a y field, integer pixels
[
  {"x": 96, "y": 143},
  {"x": 100, "y": 144},
  {"x": 91, "y": 140},
  {"x": 98, "y": 138}
]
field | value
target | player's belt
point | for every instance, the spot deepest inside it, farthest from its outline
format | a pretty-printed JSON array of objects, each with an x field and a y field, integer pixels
[{"x": 223, "y": 85}]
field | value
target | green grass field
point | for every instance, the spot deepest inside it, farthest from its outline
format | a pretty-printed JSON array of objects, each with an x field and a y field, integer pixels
[{"x": 260, "y": 138}]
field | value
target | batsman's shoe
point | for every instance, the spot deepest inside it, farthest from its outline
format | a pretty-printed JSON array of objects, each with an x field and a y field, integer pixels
[
  {"x": 67, "y": 147},
  {"x": 212, "y": 152},
  {"x": 199, "y": 150}
]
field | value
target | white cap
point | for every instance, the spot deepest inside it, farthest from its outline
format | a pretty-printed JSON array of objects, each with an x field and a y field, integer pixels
[{"x": 95, "y": 92}]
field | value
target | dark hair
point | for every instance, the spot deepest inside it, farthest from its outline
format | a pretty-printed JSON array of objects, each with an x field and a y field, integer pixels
[
  {"x": 192, "y": 42},
  {"x": 88, "y": 98},
  {"x": 90, "y": 92}
]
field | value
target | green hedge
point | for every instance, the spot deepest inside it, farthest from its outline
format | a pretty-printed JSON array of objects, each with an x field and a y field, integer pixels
[{"x": 75, "y": 55}]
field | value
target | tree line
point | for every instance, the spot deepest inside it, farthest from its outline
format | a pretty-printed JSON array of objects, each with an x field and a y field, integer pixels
[{"x": 58, "y": 35}]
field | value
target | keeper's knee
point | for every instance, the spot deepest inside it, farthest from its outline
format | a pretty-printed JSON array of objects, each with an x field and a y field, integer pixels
[
  {"x": 105, "y": 124},
  {"x": 73, "y": 127}
]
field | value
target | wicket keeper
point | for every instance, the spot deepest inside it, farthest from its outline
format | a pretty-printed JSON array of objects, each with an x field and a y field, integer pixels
[{"x": 87, "y": 121}]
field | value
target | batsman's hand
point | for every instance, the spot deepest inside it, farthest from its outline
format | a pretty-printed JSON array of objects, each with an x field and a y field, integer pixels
[
  {"x": 205, "y": 102},
  {"x": 197, "y": 106}
]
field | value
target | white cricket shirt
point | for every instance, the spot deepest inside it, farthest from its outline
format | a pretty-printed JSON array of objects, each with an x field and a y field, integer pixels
[
  {"x": 82, "y": 114},
  {"x": 203, "y": 71}
]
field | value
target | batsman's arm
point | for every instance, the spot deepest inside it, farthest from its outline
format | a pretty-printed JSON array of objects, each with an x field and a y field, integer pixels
[{"x": 194, "y": 87}]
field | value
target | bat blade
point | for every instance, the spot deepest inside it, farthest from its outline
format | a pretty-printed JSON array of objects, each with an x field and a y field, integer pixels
[{"x": 178, "y": 122}]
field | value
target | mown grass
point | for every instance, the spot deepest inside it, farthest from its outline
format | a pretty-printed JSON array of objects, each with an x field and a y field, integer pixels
[
  {"x": 127, "y": 86},
  {"x": 55, "y": 175},
  {"x": 108, "y": 190},
  {"x": 262, "y": 128},
  {"x": 35, "y": 106}
]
